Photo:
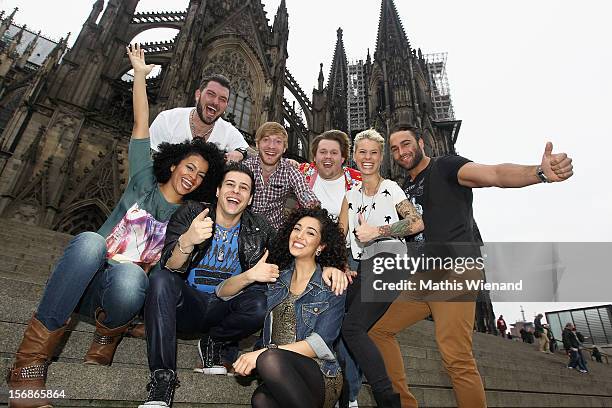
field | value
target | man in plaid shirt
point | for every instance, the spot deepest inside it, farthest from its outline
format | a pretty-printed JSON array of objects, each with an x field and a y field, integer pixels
[{"x": 275, "y": 177}]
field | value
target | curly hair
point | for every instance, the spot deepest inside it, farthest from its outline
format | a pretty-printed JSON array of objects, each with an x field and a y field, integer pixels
[
  {"x": 334, "y": 253},
  {"x": 172, "y": 154}
]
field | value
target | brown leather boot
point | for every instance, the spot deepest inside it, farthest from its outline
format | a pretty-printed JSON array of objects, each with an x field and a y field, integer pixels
[
  {"x": 105, "y": 341},
  {"x": 136, "y": 330},
  {"x": 29, "y": 372}
]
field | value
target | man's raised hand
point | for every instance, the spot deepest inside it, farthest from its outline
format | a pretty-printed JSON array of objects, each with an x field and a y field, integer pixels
[
  {"x": 200, "y": 230},
  {"x": 556, "y": 166},
  {"x": 262, "y": 271},
  {"x": 136, "y": 56}
]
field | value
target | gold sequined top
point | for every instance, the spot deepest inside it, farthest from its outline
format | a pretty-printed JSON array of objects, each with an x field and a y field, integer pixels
[{"x": 284, "y": 332}]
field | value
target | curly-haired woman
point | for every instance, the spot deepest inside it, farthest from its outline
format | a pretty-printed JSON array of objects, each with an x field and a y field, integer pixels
[
  {"x": 103, "y": 274},
  {"x": 297, "y": 364}
]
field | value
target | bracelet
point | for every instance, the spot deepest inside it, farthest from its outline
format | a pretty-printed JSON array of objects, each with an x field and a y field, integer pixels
[
  {"x": 271, "y": 346},
  {"x": 541, "y": 175},
  {"x": 181, "y": 248}
]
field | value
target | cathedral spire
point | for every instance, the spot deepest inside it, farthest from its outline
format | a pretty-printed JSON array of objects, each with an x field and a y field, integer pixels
[
  {"x": 6, "y": 23},
  {"x": 321, "y": 77},
  {"x": 337, "y": 85},
  {"x": 339, "y": 67},
  {"x": 391, "y": 35},
  {"x": 16, "y": 41},
  {"x": 27, "y": 53},
  {"x": 281, "y": 19}
]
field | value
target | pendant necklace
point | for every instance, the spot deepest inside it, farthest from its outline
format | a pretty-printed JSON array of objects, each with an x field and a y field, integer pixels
[
  {"x": 223, "y": 237},
  {"x": 380, "y": 180},
  {"x": 193, "y": 131}
]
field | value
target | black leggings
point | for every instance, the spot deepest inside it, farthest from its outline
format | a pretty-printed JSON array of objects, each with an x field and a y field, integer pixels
[
  {"x": 289, "y": 380},
  {"x": 359, "y": 318}
]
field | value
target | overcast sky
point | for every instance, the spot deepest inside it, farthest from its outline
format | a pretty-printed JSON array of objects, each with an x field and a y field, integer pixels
[{"x": 521, "y": 73}]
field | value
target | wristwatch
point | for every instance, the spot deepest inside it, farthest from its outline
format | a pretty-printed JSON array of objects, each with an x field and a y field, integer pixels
[{"x": 541, "y": 175}]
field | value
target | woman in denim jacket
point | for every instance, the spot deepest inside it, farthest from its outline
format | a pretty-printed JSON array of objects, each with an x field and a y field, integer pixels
[{"x": 297, "y": 365}]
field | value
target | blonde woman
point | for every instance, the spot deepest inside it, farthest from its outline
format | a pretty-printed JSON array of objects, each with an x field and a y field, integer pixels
[{"x": 376, "y": 215}]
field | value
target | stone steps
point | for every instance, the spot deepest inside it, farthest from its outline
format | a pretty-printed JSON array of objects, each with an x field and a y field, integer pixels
[
  {"x": 127, "y": 384},
  {"x": 514, "y": 374}
]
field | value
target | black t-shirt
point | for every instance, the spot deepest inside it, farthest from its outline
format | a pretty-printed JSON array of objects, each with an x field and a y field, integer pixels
[{"x": 446, "y": 208}]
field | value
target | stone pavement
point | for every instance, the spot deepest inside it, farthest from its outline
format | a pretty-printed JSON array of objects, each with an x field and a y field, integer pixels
[{"x": 514, "y": 374}]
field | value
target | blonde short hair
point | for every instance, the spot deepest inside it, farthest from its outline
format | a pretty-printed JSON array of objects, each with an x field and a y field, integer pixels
[
  {"x": 369, "y": 134},
  {"x": 271, "y": 128}
]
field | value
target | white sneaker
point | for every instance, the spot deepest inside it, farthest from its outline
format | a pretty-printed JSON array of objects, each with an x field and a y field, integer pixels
[
  {"x": 154, "y": 404},
  {"x": 353, "y": 404},
  {"x": 210, "y": 360}
]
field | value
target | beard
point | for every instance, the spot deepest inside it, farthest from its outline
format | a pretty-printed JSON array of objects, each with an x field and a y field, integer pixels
[
  {"x": 418, "y": 156},
  {"x": 200, "y": 112}
]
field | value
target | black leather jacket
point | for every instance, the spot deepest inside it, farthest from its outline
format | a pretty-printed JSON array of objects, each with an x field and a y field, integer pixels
[
  {"x": 569, "y": 339},
  {"x": 254, "y": 237}
]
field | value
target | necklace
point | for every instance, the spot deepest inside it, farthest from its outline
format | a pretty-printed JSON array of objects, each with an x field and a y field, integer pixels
[
  {"x": 363, "y": 207},
  {"x": 221, "y": 235},
  {"x": 193, "y": 130}
]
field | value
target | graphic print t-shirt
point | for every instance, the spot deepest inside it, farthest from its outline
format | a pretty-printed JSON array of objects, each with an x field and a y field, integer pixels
[
  {"x": 135, "y": 229},
  {"x": 444, "y": 204},
  {"x": 377, "y": 210},
  {"x": 220, "y": 262}
]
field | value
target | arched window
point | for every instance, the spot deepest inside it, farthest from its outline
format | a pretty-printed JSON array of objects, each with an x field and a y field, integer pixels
[{"x": 239, "y": 109}]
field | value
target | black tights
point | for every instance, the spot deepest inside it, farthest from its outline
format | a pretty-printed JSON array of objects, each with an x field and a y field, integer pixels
[
  {"x": 289, "y": 380},
  {"x": 360, "y": 317}
]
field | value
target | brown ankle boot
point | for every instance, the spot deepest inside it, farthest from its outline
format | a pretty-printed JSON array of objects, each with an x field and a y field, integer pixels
[
  {"x": 105, "y": 342},
  {"x": 29, "y": 372}
]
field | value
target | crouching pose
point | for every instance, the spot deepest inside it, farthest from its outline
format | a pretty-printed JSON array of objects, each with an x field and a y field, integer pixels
[
  {"x": 297, "y": 365},
  {"x": 102, "y": 274},
  {"x": 223, "y": 246}
]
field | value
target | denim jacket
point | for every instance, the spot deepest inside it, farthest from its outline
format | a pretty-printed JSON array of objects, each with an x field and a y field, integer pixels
[{"x": 319, "y": 313}]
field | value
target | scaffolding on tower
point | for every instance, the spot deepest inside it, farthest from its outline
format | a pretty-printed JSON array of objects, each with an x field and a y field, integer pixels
[{"x": 440, "y": 90}]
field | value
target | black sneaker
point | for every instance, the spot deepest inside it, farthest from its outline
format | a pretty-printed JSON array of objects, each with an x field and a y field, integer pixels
[
  {"x": 210, "y": 357},
  {"x": 161, "y": 389}
]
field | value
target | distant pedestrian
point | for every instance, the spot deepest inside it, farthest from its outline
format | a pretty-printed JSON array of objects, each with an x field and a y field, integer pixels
[
  {"x": 541, "y": 333},
  {"x": 572, "y": 347},
  {"x": 501, "y": 325},
  {"x": 596, "y": 355}
]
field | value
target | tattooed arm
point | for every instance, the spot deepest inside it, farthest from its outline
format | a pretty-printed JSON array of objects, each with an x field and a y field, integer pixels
[{"x": 410, "y": 224}]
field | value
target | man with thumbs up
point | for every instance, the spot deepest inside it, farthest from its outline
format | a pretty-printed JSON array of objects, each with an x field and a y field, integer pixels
[
  {"x": 208, "y": 247},
  {"x": 441, "y": 190}
]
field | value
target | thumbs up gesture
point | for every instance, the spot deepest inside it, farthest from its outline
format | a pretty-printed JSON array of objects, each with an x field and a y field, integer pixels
[
  {"x": 263, "y": 271},
  {"x": 200, "y": 230},
  {"x": 364, "y": 231},
  {"x": 556, "y": 166}
]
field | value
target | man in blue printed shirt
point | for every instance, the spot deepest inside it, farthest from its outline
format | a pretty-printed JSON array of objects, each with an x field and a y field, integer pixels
[{"x": 208, "y": 246}]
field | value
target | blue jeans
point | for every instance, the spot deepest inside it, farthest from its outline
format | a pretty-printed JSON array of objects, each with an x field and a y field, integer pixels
[
  {"x": 577, "y": 360},
  {"x": 84, "y": 281},
  {"x": 172, "y": 305}
]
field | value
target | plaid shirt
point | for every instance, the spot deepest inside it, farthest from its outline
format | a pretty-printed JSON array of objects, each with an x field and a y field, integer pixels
[{"x": 269, "y": 199}]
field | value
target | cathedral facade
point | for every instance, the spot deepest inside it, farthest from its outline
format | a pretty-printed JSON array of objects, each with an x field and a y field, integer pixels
[{"x": 66, "y": 120}]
